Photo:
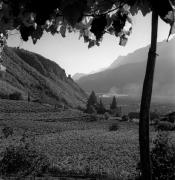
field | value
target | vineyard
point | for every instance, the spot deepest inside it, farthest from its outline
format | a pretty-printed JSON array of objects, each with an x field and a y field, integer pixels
[{"x": 72, "y": 142}]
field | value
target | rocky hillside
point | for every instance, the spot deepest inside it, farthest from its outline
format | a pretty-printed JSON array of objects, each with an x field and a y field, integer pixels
[{"x": 41, "y": 78}]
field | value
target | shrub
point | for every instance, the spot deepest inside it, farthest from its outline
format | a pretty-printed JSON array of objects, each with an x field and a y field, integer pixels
[
  {"x": 81, "y": 108},
  {"x": 92, "y": 100},
  {"x": 156, "y": 122},
  {"x": 101, "y": 108},
  {"x": 165, "y": 126},
  {"x": 133, "y": 115},
  {"x": 7, "y": 131},
  {"x": 4, "y": 96},
  {"x": 171, "y": 117},
  {"x": 125, "y": 118},
  {"x": 106, "y": 115},
  {"x": 23, "y": 160},
  {"x": 92, "y": 118},
  {"x": 114, "y": 127},
  {"x": 91, "y": 110},
  {"x": 15, "y": 96},
  {"x": 163, "y": 158},
  {"x": 113, "y": 105},
  {"x": 154, "y": 115}
]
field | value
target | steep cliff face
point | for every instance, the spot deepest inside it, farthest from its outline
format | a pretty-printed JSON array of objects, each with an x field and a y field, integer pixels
[{"x": 43, "y": 79}]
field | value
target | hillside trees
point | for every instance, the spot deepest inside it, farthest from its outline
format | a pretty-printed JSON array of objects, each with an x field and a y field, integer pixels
[
  {"x": 101, "y": 108},
  {"x": 91, "y": 106},
  {"x": 115, "y": 110},
  {"x": 92, "y": 100},
  {"x": 92, "y": 19},
  {"x": 113, "y": 104}
]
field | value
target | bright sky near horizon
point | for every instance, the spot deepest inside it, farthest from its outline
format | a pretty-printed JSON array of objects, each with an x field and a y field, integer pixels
[{"x": 74, "y": 56}]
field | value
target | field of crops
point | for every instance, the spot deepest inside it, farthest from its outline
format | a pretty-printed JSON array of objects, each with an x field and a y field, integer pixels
[
  {"x": 78, "y": 146},
  {"x": 96, "y": 150},
  {"x": 85, "y": 147}
]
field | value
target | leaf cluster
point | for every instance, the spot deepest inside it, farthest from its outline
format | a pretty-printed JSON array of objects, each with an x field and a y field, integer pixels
[{"x": 91, "y": 18}]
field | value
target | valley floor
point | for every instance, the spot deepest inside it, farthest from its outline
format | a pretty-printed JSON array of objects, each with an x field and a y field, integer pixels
[{"x": 74, "y": 144}]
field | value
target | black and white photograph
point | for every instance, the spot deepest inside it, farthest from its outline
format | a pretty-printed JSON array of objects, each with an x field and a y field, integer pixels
[{"x": 87, "y": 90}]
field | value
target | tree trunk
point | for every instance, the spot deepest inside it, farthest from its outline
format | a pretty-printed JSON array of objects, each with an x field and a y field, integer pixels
[{"x": 145, "y": 103}]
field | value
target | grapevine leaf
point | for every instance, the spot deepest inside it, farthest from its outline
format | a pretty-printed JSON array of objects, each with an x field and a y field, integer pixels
[
  {"x": 134, "y": 9},
  {"x": 63, "y": 30},
  {"x": 53, "y": 29},
  {"x": 119, "y": 22},
  {"x": 143, "y": 5},
  {"x": 162, "y": 8},
  {"x": 129, "y": 19},
  {"x": 26, "y": 32},
  {"x": 81, "y": 34},
  {"x": 166, "y": 12},
  {"x": 98, "y": 26},
  {"x": 74, "y": 12},
  {"x": 104, "y": 5},
  {"x": 109, "y": 20},
  {"x": 111, "y": 30},
  {"x": 37, "y": 34},
  {"x": 28, "y": 19},
  {"x": 91, "y": 44},
  {"x": 86, "y": 39},
  {"x": 85, "y": 23},
  {"x": 123, "y": 40}
]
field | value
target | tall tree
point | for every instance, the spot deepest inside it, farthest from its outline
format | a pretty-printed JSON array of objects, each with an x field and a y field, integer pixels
[
  {"x": 101, "y": 109},
  {"x": 92, "y": 19},
  {"x": 113, "y": 104},
  {"x": 166, "y": 11},
  {"x": 92, "y": 100},
  {"x": 145, "y": 102}
]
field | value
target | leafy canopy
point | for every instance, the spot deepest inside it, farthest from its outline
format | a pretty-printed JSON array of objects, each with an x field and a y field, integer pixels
[{"x": 91, "y": 18}]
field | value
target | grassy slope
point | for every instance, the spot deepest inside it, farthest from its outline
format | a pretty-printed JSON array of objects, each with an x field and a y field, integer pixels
[
  {"x": 42, "y": 78},
  {"x": 7, "y": 88}
]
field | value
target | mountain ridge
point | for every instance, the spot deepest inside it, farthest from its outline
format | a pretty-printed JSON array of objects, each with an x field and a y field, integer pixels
[
  {"x": 31, "y": 73},
  {"x": 127, "y": 78},
  {"x": 77, "y": 76}
]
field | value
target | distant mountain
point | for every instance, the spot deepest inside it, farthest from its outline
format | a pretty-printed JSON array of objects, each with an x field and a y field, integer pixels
[
  {"x": 130, "y": 58},
  {"x": 43, "y": 79},
  {"x": 77, "y": 76},
  {"x": 125, "y": 75}
]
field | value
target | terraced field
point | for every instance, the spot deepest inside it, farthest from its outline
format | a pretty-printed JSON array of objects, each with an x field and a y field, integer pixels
[
  {"x": 22, "y": 110},
  {"x": 72, "y": 143}
]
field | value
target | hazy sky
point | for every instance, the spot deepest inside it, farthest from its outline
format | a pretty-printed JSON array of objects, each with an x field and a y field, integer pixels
[{"x": 74, "y": 56}]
